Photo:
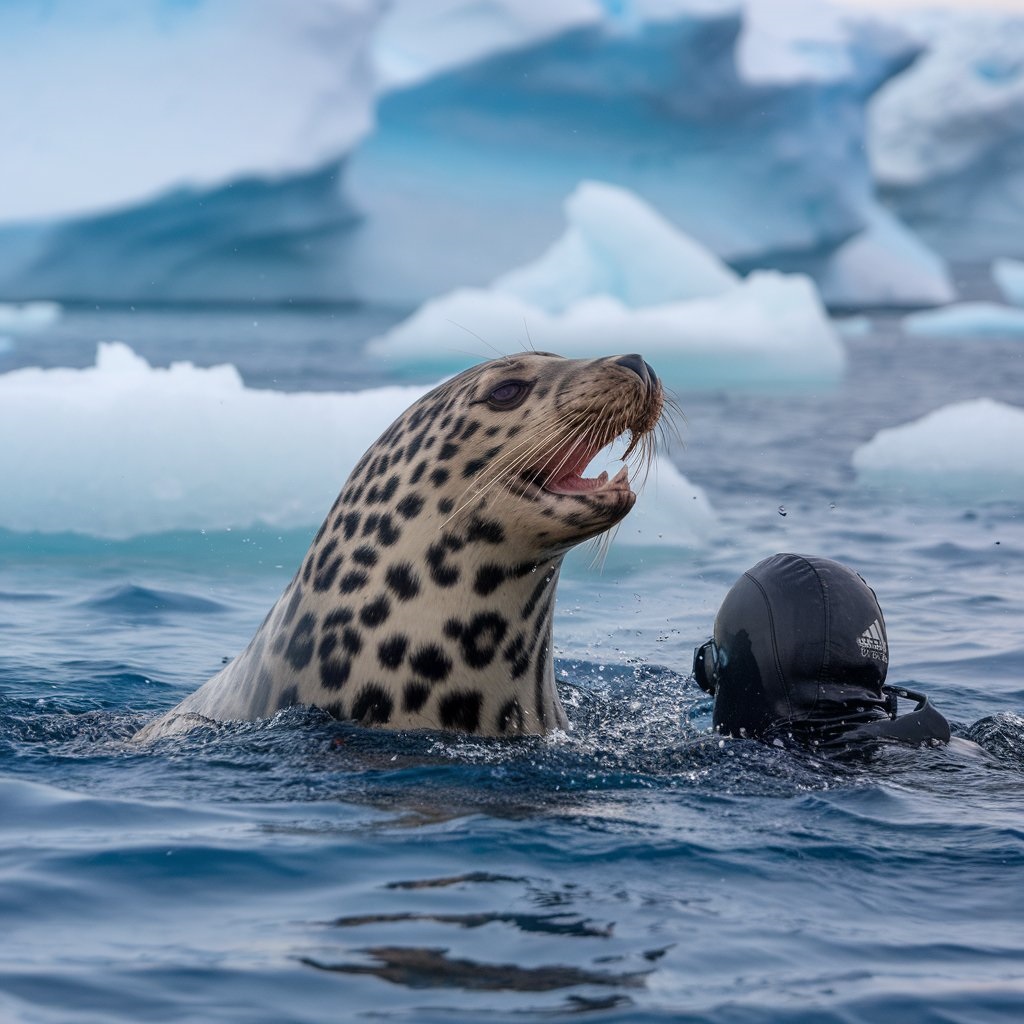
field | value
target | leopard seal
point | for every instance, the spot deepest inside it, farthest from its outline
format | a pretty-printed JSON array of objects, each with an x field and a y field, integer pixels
[{"x": 426, "y": 598}]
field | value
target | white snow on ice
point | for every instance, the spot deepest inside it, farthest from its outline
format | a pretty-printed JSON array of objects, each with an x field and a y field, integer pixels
[
  {"x": 972, "y": 450},
  {"x": 965, "y": 319},
  {"x": 622, "y": 279},
  {"x": 107, "y": 103},
  {"x": 617, "y": 245},
  {"x": 122, "y": 448}
]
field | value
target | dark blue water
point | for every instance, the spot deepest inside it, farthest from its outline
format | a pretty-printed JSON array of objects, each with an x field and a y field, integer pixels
[{"x": 636, "y": 869}]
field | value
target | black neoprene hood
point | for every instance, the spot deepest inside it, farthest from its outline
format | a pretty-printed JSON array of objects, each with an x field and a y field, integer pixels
[{"x": 801, "y": 648}]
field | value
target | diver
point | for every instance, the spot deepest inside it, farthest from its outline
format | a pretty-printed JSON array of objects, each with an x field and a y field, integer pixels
[{"x": 800, "y": 654}]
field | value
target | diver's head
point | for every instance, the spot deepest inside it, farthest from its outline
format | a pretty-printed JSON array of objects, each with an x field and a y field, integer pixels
[{"x": 800, "y": 651}]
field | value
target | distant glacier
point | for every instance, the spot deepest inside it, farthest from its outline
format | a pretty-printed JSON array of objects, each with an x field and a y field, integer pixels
[{"x": 351, "y": 153}]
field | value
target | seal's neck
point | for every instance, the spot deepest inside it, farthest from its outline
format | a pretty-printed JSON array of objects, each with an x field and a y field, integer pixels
[
  {"x": 535, "y": 690},
  {"x": 503, "y": 639}
]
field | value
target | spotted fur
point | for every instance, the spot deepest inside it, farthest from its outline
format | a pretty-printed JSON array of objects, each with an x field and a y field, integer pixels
[{"x": 426, "y": 598}]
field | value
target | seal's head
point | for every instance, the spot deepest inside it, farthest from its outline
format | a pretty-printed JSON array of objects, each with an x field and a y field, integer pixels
[
  {"x": 426, "y": 597},
  {"x": 516, "y": 435}
]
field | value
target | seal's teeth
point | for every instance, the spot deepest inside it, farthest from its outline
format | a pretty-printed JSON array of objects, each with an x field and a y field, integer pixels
[
  {"x": 622, "y": 477},
  {"x": 603, "y": 478}
]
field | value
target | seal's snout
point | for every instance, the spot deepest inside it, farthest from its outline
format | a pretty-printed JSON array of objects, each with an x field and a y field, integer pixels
[{"x": 636, "y": 362}]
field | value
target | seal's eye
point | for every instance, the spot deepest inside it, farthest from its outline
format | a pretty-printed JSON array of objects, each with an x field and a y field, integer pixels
[{"x": 508, "y": 394}]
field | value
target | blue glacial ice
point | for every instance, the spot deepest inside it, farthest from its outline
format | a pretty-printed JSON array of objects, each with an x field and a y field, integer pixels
[
  {"x": 419, "y": 39},
  {"x": 122, "y": 449},
  {"x": 257, "y": 187},
  {"x": 150, "y": 182},
  {"x": 947, "y": 136},
  {"x": 109, "y": 104},
  {"x": 1009, "y": 276},
  {"x": 970, "y": 450},
  {"x": 473, "y": 164},
  {"x": 605, "y": 280},
  {"x": 967, "y": 319}
]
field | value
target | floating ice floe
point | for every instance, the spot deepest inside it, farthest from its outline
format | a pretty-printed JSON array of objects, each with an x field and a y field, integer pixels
[
  {"x": 617, "y": 245},
  {"x": 885, "y": 265},
  {"x": 964, "y": 319},
  {"x": 1009, "y": 275},
  {"x": 970, "y": 450},
  {"x": 25, "y": 317},
  {"x": 670, "y": 511},
  {"x": 122, "y": 448},
  {"x": 622, "y": 279}
]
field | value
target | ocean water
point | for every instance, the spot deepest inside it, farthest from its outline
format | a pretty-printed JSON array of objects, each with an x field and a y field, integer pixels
[{"x": 635, "y": 869}]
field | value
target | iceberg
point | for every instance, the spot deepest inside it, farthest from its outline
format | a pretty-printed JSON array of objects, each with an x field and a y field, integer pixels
[
  {"x": 946, "y": 137},
  {"x": 884, "y": 265},
  {"x": 249, "y": 187},
  {"x": 1009, "y": 276},
  {"x": 123, "y": 449},
  {"x": 618, "y": 245},
  {"x": 219, "y": 182},
  {"x": 619, "y": 272},
  {"x": 967, "y": 319},
  {"x": 971, "y": 450},
  {"x": 471, "y": 165},
  {"x": 419, "y": 39},
  {"x": 140, "y": 97}
]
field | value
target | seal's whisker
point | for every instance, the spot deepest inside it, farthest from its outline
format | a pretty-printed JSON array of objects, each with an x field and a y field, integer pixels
[
  {"x": 499, "y": 469},
  {"x": 668, "y": 425},
  {"x": 483, "y": 341},
  {"x": 526, "y": 327},
  {"x": 602, "y": 546}
]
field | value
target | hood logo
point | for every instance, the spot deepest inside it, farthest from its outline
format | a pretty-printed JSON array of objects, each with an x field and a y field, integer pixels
[{"x": 872, "y": 643}]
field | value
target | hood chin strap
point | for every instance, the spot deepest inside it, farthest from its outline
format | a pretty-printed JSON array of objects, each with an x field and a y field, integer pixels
[{"x": 922, "y": 724}]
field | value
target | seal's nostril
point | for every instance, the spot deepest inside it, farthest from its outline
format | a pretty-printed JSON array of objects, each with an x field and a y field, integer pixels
[
  {"x": 636, "y": 363},
  {"x": 650, "y": 372}
]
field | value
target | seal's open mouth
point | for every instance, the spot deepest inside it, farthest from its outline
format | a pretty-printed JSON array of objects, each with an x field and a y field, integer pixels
[{"x": 563, "y": 473}]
